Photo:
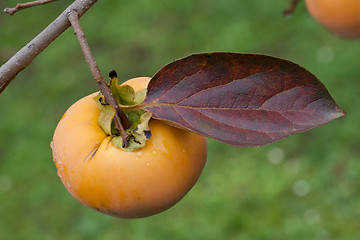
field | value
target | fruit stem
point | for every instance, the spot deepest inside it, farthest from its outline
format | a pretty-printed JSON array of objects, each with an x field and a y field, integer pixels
[
  {"x": 289, "y": 11},
  {"x": 120, "y": 120}
]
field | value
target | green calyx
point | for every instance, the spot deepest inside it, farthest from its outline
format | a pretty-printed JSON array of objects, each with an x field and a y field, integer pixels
[
  {"x": 125, "y": 94},
  {"x": 126, "y": 97}
]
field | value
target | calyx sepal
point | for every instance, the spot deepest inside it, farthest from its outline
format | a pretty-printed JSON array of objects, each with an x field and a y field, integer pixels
[
  {"x": 125, "y": 96},
  {"x": 138, "y": 136}
]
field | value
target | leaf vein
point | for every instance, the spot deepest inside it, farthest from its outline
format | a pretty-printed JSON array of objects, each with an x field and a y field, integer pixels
[
  {"x": 224, "y": 84},
  {"x": 242, "y": 128},
  {"x": 151, "y": 105}
]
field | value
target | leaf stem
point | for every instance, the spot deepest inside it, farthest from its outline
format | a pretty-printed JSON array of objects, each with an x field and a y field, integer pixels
[
  {"x": 121, "y": 121},
  {"x": 20, "y": 6},
  {"x": 289, "y": 11}
]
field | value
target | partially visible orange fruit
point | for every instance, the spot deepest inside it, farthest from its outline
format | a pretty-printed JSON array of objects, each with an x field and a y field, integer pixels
[{"x": 341, "y": 17}]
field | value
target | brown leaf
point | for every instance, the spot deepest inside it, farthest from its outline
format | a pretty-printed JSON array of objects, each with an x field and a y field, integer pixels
[{"x": 240, "y": 99}]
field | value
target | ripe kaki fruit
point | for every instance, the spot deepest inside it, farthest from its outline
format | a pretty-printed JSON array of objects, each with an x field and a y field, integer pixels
[
  {"x": 125, "y": 184},
  {"x": 341, "y": 17}
]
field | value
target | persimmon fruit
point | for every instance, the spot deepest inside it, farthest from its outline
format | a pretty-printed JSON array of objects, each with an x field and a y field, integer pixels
[
  {"x": 341, "y": 17},
  {"x": 125, "y": 184}
]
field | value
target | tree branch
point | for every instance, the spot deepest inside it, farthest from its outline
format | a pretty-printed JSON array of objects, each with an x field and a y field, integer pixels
[
  {"x": 291, "y": 7},
  {"x": 20, "y": 6},
  {"x": 24, "y": 57},
  {"x": 122, "y": 121}
]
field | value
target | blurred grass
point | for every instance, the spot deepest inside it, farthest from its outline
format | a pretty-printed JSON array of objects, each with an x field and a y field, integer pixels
[{"x": 304, "y": 187}]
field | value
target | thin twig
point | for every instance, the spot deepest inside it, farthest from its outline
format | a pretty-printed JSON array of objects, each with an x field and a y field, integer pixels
[
  {"x": 121, "y": 121},
  {"x": 21, "y": 6},
  {"x": 24, "y": 57},
  {"x": 289, "y": 11}
]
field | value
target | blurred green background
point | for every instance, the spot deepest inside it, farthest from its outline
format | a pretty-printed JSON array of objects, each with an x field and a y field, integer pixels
[{"x": 304, "y": 187}]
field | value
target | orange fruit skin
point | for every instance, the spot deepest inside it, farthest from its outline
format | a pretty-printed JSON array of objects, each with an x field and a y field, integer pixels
[
  {"x": 120, "y": 183},
  {"x": 341, "y": 17}
]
